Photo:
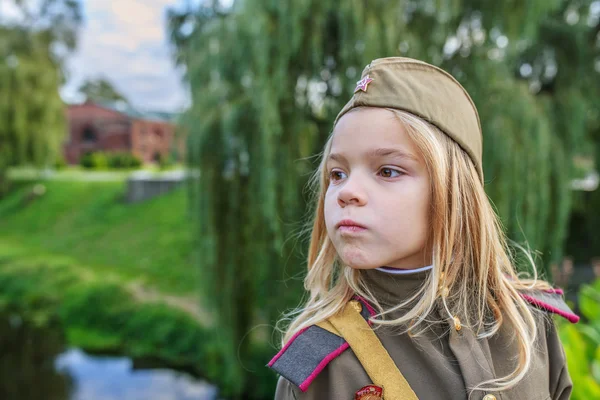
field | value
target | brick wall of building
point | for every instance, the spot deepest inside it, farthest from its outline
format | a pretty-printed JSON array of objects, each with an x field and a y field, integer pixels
[{"x": 95, "y": 128}]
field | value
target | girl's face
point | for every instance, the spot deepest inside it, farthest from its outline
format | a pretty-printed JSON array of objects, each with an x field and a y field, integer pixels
[{"x": 377, "y": 204}]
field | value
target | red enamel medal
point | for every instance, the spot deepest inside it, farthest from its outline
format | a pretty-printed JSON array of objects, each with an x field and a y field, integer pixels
[{"x": 369, "y": 392}]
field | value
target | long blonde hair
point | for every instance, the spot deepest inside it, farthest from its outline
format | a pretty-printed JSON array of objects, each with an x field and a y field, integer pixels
[{"x": 471, "y": 258}]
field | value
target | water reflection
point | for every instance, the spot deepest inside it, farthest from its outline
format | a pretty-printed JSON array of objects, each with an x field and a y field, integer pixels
[
  {"x": 113, "y": 378},
  {"x": 27, "y": 361},
  {"x": 36, "y": 365}
]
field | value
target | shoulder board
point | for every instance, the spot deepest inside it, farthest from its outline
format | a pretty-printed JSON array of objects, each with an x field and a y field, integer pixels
[
  {"x": 552, "y": 301},
  {"x": 309, "y": 351}
]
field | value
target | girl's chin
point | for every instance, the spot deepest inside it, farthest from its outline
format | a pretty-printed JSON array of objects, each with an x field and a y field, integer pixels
[
  {"x": 356, "y": 263},
  {"x": 360, "y": 257}
]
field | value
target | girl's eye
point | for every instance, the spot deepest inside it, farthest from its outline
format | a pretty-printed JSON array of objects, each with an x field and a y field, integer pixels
[
  {"x": 389, "y": 172},
  {"x": 336, "y": 175}
]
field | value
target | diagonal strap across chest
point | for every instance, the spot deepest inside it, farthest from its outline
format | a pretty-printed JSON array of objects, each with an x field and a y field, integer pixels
[{"x": 370, "y": 352}]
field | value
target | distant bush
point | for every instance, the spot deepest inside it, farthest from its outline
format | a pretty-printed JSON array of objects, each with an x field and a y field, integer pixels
[
  {"x": 165, "y": 161},
  {"x": 582, "y": 345},
  {"x": 118, "y": 160},
  {"x": 86, "y": 161},
  {"x": 60, "y": 163},
  {"x": 123, "y": 160},
  {"x": 95, "y": 160}
]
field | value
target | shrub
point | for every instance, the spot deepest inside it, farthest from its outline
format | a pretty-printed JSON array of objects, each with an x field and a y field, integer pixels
[
  {"x": 123, "y": 160},
  {"x": 582, "y": 345},
  {"x": 86, "y": 161},
  {"x": 116, "y": 160},
  {"x": 165, "y": 161},
  {"x": 108, "y": 312},
  {"x": 60, "y": 163},
  {"x": 134, "y": 161},
  {"x": 95, "y": 160}
]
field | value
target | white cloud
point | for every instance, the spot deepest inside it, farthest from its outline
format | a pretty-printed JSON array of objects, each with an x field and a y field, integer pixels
[
  {"x": 144, "y": 13},
  {"x": 126, "y": 41},
  {"x": 10, "y": 12}
]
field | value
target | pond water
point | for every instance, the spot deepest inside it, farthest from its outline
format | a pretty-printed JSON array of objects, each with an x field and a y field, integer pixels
[
  {"x": 114, "y": 378},
  {"x": 36, "y": 365}
]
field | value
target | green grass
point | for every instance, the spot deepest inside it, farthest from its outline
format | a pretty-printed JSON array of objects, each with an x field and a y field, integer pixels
[
  {"x": 119, "y": 277},
  {"x": 90, "y": 224}
]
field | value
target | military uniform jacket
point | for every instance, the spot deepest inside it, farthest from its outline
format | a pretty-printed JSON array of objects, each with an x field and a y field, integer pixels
[{"x": 440, "y": 364}]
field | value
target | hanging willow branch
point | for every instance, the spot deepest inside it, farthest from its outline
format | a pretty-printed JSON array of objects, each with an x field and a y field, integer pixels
[
  {"x": 267, "y": 79},
  {"x": 32, "y": 116}
]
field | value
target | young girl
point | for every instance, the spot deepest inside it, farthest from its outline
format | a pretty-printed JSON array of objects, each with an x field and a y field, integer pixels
[{"x": 412, "y": 292}]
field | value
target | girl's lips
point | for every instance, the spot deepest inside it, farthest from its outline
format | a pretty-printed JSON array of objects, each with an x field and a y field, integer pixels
[
  {"x": 347, "y": 225},
  {"x": 351, "y": 229}
]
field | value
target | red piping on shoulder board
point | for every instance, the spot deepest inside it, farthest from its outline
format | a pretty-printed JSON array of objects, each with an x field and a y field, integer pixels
[
  {"x": 279, "y": 354},
  {"x": 536, "y": 302},
  {"x": 311, "y": 340},
  {"x": 304, "y": 385},
  {"x": 316, "y": 347}
]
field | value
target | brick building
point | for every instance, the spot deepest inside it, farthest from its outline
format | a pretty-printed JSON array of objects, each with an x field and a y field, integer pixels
[{"x": 118, "y": 128}]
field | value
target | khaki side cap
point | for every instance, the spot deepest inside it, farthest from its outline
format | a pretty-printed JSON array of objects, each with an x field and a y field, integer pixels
[{"x": 428, "y": 92}]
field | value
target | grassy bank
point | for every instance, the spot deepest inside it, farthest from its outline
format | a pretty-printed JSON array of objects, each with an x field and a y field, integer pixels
[
  {"x": 98, "y": 313},
  {"x": 150, "y": 242},
  {"x": 119, "y": 277}
]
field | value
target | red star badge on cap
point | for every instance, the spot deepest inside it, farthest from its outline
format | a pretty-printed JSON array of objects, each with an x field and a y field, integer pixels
[{"x": 362, "y": 84}]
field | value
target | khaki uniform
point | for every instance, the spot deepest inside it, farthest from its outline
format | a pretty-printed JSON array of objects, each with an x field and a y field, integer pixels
[{"x": 443, "y": 362}]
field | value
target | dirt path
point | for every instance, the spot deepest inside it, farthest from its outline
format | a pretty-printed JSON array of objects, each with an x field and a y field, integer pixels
[{"x": 187, "y": 304}]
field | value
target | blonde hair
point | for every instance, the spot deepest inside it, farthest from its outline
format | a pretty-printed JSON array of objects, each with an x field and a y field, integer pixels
[{"x": 471, "y": 258}]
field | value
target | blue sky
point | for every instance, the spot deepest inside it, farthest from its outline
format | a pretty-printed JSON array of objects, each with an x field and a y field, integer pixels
[{"x": 126, "y": 42}]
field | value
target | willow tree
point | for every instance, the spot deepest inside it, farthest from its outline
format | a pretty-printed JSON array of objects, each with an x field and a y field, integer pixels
[
  {"x": 101, "y": 89},
  {"x": 267, "y": 80},
  {"x": 33, "y": 47}
]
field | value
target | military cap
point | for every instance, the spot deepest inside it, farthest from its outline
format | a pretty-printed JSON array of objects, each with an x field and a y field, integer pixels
[{"x": 426, "y": 91}]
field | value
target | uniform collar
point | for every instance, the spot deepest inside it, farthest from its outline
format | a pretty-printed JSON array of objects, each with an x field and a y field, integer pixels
[{"x": 391, "y": 289}]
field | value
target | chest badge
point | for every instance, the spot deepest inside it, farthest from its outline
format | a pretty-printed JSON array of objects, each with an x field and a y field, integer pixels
[{"x": 370, "y": 392}]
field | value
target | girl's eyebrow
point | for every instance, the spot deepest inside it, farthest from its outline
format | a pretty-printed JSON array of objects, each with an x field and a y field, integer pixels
[
  {"x": 384, "y": 152},
  {"x": 375, "y": 153}
]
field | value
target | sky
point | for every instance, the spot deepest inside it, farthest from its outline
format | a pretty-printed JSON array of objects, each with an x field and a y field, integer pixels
[{"x": 126, "y": 42}]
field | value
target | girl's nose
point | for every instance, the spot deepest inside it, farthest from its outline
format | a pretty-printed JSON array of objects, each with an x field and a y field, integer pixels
[{"x": 352, "y": 193}]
